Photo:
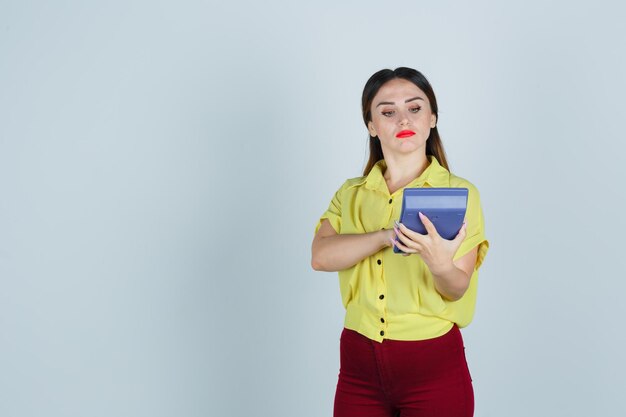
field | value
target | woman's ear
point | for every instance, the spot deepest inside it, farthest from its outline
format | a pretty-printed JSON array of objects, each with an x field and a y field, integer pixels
[
  {"x": 433, "y": 121},
  {"x": 370, "y": 128}
]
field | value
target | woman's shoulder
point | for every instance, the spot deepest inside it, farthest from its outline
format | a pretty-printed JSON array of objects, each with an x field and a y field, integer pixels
[
  {"x": 473, "y": 193},
  {"x": 460, "y": 182},
  {"x": 353, "y": 182}
]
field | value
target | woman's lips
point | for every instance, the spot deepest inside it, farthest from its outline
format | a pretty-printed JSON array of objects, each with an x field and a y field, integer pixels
[{"x": 405, "y": 134}]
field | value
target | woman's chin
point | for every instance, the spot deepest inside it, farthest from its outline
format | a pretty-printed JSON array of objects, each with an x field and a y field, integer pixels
[{"x": 407, "y": 146}]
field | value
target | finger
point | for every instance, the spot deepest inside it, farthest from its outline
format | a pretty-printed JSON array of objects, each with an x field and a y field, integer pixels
[
  {"x": 394, "y": 243},
  {"x": 430, "y": 227},
  {"x": 404, "y": 248},
  {"x": 401, "y": 237},
  {"x": 414, "y": 236},
  {"x": 406, "y": 241}
]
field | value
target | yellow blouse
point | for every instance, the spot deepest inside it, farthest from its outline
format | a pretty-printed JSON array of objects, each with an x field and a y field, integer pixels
[{"x": 387, "y": 295}]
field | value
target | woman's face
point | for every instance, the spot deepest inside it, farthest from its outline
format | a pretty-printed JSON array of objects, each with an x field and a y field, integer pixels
[{"x": 401, "y": 117}]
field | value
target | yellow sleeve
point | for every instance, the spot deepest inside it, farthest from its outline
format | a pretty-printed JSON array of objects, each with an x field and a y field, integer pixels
[
  {"x": 475, "y": 228},
  {"x": 333, "y": 213}
]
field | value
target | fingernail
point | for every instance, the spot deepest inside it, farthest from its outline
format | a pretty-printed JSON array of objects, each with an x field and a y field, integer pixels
[{"x": 420, "y": 213}]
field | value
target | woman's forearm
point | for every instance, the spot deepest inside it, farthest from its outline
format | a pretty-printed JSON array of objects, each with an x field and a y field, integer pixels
[
  {"x": 451, "y": 282},
  {"x": 338, "y": 252}
]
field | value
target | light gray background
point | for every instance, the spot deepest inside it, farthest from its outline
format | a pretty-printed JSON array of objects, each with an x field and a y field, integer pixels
[{"x": 163, "y": 165}]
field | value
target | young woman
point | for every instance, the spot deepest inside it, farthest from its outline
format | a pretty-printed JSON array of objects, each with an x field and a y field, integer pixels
[{"x": 401, "y": 349}]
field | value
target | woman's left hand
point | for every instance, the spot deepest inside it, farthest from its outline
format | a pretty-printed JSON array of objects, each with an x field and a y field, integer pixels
[{"x": 436, "y": 251}]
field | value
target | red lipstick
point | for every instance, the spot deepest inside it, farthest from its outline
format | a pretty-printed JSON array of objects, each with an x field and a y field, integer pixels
[{"x": 405, "y": 134}]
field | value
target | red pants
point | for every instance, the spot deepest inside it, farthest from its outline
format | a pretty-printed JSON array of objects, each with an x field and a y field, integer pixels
[{"x": 403, "y": 378}]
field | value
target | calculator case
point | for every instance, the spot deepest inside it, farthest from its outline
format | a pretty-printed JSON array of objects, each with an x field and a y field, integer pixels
[{"x": 445, "y": 207}]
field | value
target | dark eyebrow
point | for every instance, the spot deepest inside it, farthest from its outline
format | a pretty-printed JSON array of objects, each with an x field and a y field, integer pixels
[
  {"x": 413, "y": 99},
  {"x": 406, "y": 101}
]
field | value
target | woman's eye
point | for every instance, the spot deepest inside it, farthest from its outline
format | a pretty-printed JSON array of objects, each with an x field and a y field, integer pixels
[
  {"x": 388, "y": 113},
  {"x": 415, "y": 109}
]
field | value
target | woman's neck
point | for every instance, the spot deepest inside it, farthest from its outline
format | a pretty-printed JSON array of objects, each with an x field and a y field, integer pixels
[{"x": 401, "y": 171}]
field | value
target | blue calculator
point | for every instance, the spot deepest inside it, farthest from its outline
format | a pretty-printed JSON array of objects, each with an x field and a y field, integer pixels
[{"x": 445, "y": 207}]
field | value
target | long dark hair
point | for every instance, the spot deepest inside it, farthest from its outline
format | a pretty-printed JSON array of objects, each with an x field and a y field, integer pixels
[{"x": 434, "y": 146}]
